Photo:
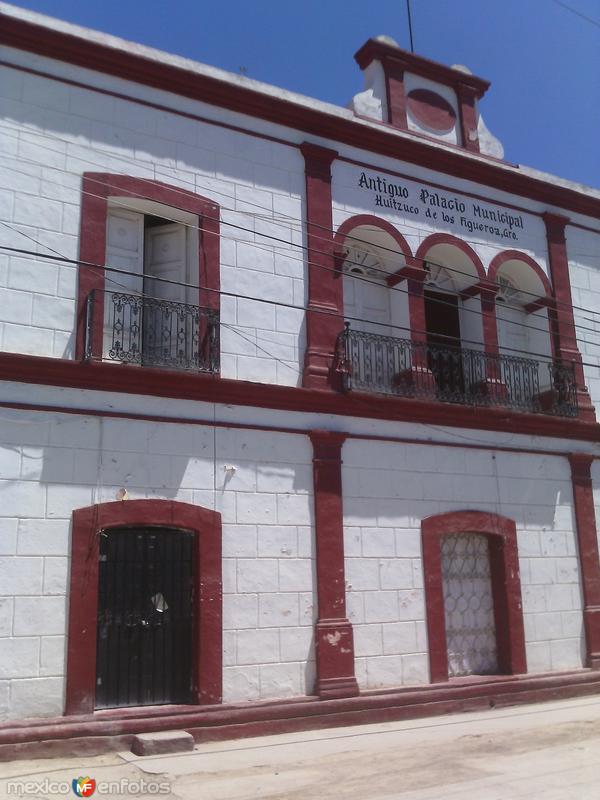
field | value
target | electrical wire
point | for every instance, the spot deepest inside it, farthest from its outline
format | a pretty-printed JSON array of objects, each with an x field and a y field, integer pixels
[
  {"x": 362, "y": 278},
  {"x": 578, "y": 13},
  {"x": 221, "y": 292},
  {"x": 196, "y": 184},
  {"x": 293, "y": 244},
  {"x": 287, "y": 243}
]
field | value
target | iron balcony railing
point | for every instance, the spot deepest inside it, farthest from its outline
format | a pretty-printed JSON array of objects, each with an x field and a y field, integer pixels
[
  {"x": 149, "y": 331},
  {"x": 384, "y": 364}
]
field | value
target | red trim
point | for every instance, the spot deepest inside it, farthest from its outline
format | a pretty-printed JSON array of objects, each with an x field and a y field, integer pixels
[
  {"x": 587, "y": 540},
  {"x": 123, "y": 378},
  {"x": 243, "y": 99},
  {"x": 517, "y": 255},
  {"x": 106, "y": 731},
  {"x": 149, "y": 104},
  {"x": 363, "y": 220},
  {"x": 374, "y": 49},
  {"x": 506, "y": 587},
  {"x": 96, "y": 189},
  {"x": 325, "y": 289},
  {"x": 334, "y": 636},
  {"x": 561, "y": 317},
  {"x": 467, "y": 101},
  {"x": 445, "y": 238},
  {"x": 412, "y": 271},
  {"x": 395, "y": 93},
  {"x": 480, "y": 286},
  {"x": 267, "y": 137},
  {"x": 94, "y": 412},
  {"x": 81, "y": 652},
  {"x": 540, "y": 302}
]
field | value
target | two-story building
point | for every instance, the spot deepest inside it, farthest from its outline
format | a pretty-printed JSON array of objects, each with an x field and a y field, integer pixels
[{"x": 296, "y": 401}]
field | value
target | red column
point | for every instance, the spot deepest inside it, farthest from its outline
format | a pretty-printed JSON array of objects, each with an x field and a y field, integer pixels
[
  {"x": 334, "y": 639},
  {"x": 324, "y": 316},
  {"x": 467, "y": 100},
  {"x": 396, "y": 97},
  {"x": 419, "y": 375},
  {"x": 585, "y": 522},
  {"x": 566, "y": 346},
  {"x": 415, "y": 276},
  {"x": 493, "y": 374}
]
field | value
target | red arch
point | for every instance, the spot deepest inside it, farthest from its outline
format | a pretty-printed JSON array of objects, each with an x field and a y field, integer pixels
[
  {"x": 375, "y": 222},
  {"x": 506, "y": 586},
  {"x": 83, "y": 605},
  {"x": 446, "y": 238},
  {"x": 516, "y": 255}
]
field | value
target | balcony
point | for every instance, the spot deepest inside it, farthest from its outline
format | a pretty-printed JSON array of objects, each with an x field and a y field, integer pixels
[
  {"x": 387, "y": 365},
  {"x": 149, "y": 331}
]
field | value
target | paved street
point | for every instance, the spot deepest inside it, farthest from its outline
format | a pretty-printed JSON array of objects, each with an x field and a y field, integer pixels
[{"x": 549, "y": 751}]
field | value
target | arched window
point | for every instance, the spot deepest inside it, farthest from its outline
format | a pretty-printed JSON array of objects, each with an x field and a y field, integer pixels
[
  {"x": 522, "y": 302},
  {"x": 370, "y": 255}
]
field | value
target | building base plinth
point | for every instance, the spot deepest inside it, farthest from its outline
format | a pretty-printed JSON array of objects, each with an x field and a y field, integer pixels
[
  {"x": 335, "y": 659},
  {"x": 115, "y": 729}
]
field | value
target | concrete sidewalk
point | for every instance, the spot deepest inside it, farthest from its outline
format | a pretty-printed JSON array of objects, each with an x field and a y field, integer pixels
[{"x": 549, "y": 751}]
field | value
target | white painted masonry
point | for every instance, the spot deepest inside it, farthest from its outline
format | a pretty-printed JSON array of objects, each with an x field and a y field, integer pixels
[
  {"x": 63, "y": 448},
  {"x": 584, "y": 271},
  {"x": 390, "y": 488},
  {"x": 52, "y": 133},
  {"x": 54, "y": 463}
]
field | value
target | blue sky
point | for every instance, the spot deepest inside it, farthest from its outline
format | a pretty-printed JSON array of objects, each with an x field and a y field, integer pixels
[{"x": 542, "y": 59}]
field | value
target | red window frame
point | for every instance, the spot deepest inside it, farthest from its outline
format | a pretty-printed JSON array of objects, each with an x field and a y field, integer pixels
[
  {"x": 97, "y": 188},
  {"x": 506, "y": 587}
]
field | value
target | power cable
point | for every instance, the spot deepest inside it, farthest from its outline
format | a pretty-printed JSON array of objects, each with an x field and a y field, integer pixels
[
  {"x": 287, "y": 243},
  {"x": 194, "y": 185},
  {"x": 277, "y": 303},
  {"x": 578, "y": 13}
]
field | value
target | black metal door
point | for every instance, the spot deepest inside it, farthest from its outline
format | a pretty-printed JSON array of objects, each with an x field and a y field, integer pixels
[{"x": 145, "y": 617}]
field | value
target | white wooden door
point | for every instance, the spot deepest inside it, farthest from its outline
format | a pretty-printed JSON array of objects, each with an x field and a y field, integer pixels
[
  {"x": 122, "y": 299},
  {"x": 512, "y": 333},
  {"x": 125, "y": 250},
  {"x": 166, "y": 258},
  {"x": 170, "y": 330}
]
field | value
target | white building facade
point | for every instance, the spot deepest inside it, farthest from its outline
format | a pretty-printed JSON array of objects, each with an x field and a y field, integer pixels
[{"x": 296, "y": 401}]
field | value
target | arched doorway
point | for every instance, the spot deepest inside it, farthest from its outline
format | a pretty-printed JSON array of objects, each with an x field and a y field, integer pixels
[{"x": 452, "y": 311}]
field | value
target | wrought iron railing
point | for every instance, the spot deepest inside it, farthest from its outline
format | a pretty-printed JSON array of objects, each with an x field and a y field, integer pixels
[
  {"x": 370, "y": 362},
  {"x": 149, "y": 331}
]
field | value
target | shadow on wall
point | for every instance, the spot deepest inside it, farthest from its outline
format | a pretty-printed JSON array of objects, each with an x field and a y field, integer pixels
[
  {"x": 411, "y": 482},
  {"x": 67, "y": 131}
]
